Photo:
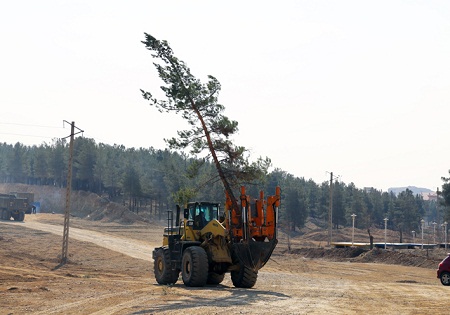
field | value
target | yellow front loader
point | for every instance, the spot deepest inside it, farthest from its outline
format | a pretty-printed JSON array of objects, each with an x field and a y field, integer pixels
[{"x": 203, "y": 246}]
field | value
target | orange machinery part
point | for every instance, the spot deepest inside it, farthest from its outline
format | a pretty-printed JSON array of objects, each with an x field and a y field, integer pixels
[{"x": 260, "y": 216}]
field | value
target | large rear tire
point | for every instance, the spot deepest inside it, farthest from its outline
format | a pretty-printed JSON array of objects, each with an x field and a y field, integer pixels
[
  {"x": 244, "y": 277},
  {"x": 194, "y": 267},
  {"x": 215, "y": 278},
  {"x": 163, "y": 271}
]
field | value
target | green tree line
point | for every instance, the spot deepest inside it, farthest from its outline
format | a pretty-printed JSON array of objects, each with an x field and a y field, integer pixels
[{"x": 166, "y": 177}]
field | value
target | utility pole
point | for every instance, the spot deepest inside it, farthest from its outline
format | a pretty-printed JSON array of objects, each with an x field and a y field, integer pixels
[
  {"x": 65, "y": 244},
  {"x": 330, "y": 212}
]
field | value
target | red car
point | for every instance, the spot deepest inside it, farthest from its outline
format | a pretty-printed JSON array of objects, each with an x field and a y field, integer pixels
[{"x": 443, "y": 271}]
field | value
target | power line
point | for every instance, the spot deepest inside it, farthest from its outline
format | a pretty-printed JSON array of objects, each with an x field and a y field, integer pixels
[
  {"x": 25, "y": 135},
  {"x": 29, "y": 132},
  {"x": 41, "y": 136},
  {"x": 29, "y": 125}
]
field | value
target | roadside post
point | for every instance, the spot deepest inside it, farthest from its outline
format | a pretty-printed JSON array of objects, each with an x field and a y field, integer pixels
[
  {"x": 385, "y": 231},
  {"x": 423, "y": 226},
  {"x": 434, "y": 232},
  {"x": 353, "y": 228}
]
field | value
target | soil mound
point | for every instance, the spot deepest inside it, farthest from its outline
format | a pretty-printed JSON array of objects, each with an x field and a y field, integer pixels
[
  {"x": 84, "y": 204},
  {"x": 407, "y": 257},
  {"x": 331, "y": 253}
]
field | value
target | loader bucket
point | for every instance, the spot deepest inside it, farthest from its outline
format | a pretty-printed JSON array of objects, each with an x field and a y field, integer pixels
[{"x": 253, "y": 254}]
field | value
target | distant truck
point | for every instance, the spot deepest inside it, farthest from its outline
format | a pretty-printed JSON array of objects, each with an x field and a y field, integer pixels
[{"x": 15, "y": 205}]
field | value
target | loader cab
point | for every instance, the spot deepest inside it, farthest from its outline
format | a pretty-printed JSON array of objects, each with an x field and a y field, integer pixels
[{"x": 199, "y": 214}]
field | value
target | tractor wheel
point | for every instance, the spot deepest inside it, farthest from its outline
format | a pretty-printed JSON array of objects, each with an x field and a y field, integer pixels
[
  {"x": 21, "y": 216},
  {"x": 244, "y": 277},
  {"x": 215, "y": 278},
  {"x": 5, "y": 215},
  {"x": 163, "y": 271},
  {"x": 194, "y": 267}
]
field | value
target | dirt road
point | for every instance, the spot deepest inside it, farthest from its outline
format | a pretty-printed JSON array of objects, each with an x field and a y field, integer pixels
[
  {"x": 110, "y": 272},
  {"x": 130, "y": 247}
]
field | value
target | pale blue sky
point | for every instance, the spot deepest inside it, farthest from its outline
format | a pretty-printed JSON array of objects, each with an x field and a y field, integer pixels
[{"x": 360, "y": 88}]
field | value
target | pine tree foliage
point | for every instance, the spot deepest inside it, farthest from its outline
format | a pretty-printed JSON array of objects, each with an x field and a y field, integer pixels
[
  {"x": 158, "y": 175},
  {"x": 210, "y": 130},
  {"x": 445, "y": 193}
]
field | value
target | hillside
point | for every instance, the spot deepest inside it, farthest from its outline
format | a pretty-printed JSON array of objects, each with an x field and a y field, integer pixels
[
  {"x": 414, "y": 189},
  {"x": 83, "y": 204}
]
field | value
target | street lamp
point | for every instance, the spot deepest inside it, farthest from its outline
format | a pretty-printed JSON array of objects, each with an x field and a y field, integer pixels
[
  {"x": 385, "y": 231},
  {"x": 353, "y": 228},
  {"x": 445, "y": 226},
  {"x": 423, "y": 226},
  {"x": 434, "y": 232}
]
